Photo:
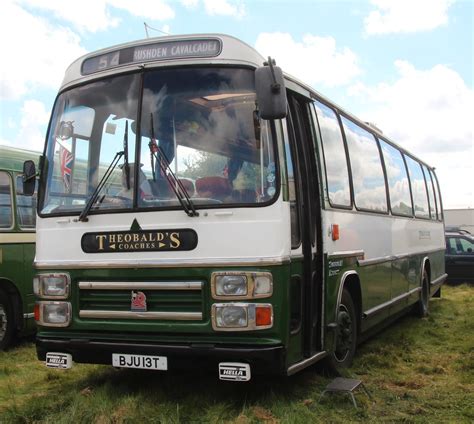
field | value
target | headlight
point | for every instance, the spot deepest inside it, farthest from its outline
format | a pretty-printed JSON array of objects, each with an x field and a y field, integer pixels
[
  {"x": 231, "y": 316},
  {"x": 241, "y": 316},
  {"x": 53, "y": 314},
  {"x": 232, "y": 285},
  {"x": 52, "y": 286}
]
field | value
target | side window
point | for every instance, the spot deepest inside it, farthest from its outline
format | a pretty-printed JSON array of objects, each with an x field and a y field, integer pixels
[
  {"x": 295, "y": 226},
  {"x": 6, "y": 218},
  {"x": 438, "y": 195},
  {"x": 26, "y": 206},
  {"x": 337, "y": 173},
  {"x": 398, "y": 185},
  {"x": 431, "y": 195},
  {"x": 418, "y": 188},
  {"x": 451, "y": 245},
  {"x": 367, "y": 172},
  {"x": 460, "y": 246},
  {"x": 466, "y": 246}
]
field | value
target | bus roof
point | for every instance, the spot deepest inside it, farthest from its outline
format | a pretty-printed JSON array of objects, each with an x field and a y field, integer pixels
[
  {"x": 12, "y": 158},
  {"x": 157, "y": 51}
]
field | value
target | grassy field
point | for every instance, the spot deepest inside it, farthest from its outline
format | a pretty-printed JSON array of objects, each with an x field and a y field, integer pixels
[{"x": 417, "y": 370}]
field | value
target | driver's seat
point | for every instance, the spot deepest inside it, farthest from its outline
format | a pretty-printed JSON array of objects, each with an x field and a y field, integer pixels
[{"x": 213, "y": 187}]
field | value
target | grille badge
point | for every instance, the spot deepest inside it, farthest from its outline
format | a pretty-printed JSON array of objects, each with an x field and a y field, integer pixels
[{"x": 138, "y": 302}]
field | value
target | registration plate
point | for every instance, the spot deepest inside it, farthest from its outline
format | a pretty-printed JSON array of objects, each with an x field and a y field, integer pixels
[{"x": 146, "y": 362}]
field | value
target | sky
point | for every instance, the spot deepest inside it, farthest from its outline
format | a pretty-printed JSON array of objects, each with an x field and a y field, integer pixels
[{"x": 404, "y": 65}]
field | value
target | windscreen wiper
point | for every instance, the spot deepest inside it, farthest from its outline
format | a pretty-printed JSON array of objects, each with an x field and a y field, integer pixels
[
  {"x": 125, "y": 156},
  {"x": 176, "y": 185},
  {"x": 95, "y": 194}
]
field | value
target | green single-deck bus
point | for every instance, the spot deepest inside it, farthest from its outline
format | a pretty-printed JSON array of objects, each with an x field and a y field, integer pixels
[
  {"x": 17, "y": 247},
  {"x": 199, "y": 206}
]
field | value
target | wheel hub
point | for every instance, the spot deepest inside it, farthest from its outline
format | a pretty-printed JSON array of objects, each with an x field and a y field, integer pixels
[{"x": 344, "y": 334}]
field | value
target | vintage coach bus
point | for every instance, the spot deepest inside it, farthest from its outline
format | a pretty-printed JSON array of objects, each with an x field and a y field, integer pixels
[
  {"x": 223, "y": 212},
  {"x": 17, "y": 247}
]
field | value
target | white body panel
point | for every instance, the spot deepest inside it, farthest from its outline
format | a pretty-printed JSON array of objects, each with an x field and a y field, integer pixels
[
  {"x": 379, "y": 235},
  {"x": 238, "y": 235}
]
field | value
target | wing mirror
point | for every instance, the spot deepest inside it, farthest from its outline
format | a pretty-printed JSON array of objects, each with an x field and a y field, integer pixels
[
  {"x": 29, "y": 178},
  {"x": 271, "y": 92}
]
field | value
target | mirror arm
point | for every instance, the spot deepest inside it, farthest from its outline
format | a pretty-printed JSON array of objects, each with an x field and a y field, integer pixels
[{"x": 274, "y": 85}]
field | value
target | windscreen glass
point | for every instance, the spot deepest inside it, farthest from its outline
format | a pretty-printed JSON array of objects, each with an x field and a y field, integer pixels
[
  {"x": 197, "y": 127},
  {"x": 204, "y": 128},
  {"x": 90, "y": 126}
]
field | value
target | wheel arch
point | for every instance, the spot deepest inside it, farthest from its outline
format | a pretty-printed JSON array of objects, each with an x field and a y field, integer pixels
[{"x": 425, "y": 265}]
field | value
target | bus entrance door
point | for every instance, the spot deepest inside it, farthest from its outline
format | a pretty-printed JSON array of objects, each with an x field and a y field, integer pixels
[{"x": 308, "y": 211}]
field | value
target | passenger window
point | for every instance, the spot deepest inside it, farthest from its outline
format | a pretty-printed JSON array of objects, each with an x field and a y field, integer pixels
[
  {"x": 6, "y": 218},
  {"x": 438, "y": 195},
  {"x": 418, "y": 188},
  {"x": 431, "y": 196},
  {"x": 25, "y": 205},
  {"x": 367, "y": 172},
  {"x": 398, "y": 185},
  {"x": 337, "y": 173}
]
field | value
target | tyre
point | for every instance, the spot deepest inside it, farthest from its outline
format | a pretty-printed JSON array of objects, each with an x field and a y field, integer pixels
[
  {"x": 346, "y": 334},
  {"x": 422, "y": 307},
  {"x": 7, "y": 323}
]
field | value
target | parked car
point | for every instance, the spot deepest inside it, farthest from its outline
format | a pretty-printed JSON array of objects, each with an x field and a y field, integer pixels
[{"x": 459, "y": 256}]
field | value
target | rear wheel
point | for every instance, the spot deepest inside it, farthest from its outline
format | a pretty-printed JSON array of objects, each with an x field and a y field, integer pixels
[
  {"x": 6, "y": 321},
  {"x": 422, "y": 307},
  {"x": 346, "y": 334}
]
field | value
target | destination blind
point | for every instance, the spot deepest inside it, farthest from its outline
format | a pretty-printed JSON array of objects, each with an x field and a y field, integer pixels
[{"x": 164, "y": 50}]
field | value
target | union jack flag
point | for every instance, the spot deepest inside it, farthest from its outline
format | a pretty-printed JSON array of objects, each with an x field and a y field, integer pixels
[{"x": 66, "y": 161}]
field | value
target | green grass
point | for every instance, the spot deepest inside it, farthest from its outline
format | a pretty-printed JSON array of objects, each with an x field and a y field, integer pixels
[{"x": 417, "y": 371}]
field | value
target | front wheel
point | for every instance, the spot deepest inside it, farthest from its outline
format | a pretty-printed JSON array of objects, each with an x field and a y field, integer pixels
[
  {"x": 6, "y": 321},
  {"x": 346, "y": 334}
]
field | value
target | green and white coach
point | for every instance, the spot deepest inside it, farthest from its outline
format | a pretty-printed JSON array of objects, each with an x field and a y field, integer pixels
[{"x": 197, "y": 205}]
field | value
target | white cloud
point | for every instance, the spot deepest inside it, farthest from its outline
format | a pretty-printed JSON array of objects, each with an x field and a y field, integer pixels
[
  {"x": 166, "y": 29},
  {"x": 157, "y": 10},
  {"x": 405, "y": 16},
  {"x": 95, "y": 15},
  {"x": 30, "y": 135},
  {"x": 429, "y": 112},
  {"x": 315, "y": 60},
  {"x": 224, "y": 8},
  {"x": 190, "y": 4},
  {"x": 37, "y": 52},
  {"x": 86, "y": 15}
]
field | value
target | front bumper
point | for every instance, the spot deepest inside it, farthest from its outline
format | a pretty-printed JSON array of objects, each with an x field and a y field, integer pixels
[{"x": 263, "y": 360}]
